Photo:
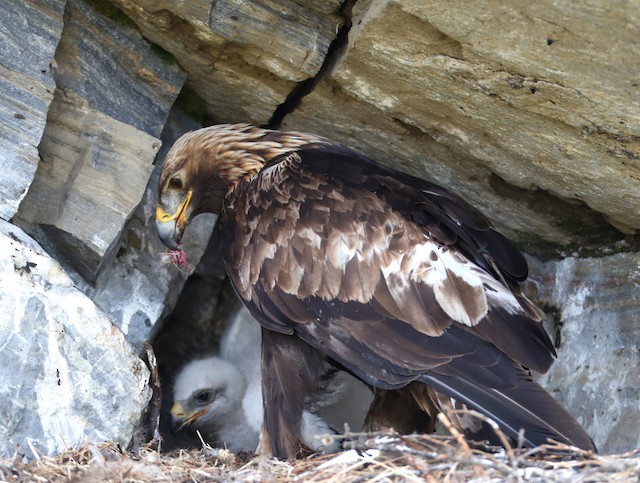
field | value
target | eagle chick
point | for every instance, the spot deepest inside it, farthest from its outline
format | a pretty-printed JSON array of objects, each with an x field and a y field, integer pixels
[{"x": 213, "y": 396}]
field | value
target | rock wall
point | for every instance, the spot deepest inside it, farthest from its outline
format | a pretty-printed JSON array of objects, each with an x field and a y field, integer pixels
[
  {"x": 530, "y": 112},
  {"x": 103, "y": 96},
  {"x": 595, "y": 308}
]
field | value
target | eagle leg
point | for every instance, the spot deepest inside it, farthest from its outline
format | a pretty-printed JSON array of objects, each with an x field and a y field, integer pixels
[
  {"x": 409, "y": 409},
  {"x": 290, "y": 371}
]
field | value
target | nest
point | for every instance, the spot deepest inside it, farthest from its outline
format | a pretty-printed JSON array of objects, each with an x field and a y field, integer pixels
[{"x": 380, "y": 457}]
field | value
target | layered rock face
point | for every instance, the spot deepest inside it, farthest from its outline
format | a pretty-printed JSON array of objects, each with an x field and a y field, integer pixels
[
  {"x": 26, "y": 92},
  {"x": 530, "y": 112}
]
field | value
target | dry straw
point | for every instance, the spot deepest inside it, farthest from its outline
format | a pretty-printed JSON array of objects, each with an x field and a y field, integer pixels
[{"x": 380, "y": 457}]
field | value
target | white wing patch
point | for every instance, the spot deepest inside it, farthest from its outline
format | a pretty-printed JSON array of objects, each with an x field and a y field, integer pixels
[
  {"x": 314, "y": 239},
  {"x": 457, "y": 287},
  {"x": 463, "y": 291},
  {"x": 340, "y": 248}
]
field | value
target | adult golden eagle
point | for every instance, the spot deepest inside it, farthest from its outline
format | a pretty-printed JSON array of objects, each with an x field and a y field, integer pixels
[{"x": 385, "y": 275}]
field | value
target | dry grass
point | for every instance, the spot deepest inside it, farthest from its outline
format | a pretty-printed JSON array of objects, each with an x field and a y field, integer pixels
[{"x": 372, "y": 458}]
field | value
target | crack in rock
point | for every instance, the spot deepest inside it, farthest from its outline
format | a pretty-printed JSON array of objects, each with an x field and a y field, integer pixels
[{"x": 305, "y": 87}]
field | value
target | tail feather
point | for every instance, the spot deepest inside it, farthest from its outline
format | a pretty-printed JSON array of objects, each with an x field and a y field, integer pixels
[{"x": 527, "y": 406}]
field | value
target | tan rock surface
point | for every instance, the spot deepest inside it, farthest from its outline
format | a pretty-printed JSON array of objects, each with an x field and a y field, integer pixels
[
  {"x": 93, "y": 175},
  {"x": 242, "y": 57},
  {"x": 542, "y": 97}
]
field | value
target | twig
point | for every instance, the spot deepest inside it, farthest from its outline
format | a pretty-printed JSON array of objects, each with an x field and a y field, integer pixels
[
  {"x": 156, "y": 399},
  {"x": 455, "y": 433}
]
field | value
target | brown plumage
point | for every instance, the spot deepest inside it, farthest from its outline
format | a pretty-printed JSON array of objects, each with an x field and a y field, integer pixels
[{"x": 382, "y": 274}]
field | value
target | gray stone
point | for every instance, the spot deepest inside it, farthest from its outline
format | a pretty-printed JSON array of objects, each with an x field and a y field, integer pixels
[
  {"x": 103, "y": 59},
  {"x": 93, "y": 175},
  {"x": 596, "y": 303},
  {"x": 67, "y": 376},
  {"x": 138, "y": 287},
  {"x": 29, "y": 34},
  {"x": 113, "y": 97}
]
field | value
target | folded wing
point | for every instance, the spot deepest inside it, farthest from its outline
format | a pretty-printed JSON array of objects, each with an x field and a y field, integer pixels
[{"x": 394, "y": 279}]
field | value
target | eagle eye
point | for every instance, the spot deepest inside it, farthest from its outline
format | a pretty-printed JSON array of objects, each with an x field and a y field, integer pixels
[{"x": 175, "y": 183}]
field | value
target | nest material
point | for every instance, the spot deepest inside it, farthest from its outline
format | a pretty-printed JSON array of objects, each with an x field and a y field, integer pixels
[{"x": 380, "y": 457}]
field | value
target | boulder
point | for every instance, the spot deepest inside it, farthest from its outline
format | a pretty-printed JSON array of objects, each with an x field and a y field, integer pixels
[
  {"x": 67, "y": 375},
  {"x": 29, "y": 41}
]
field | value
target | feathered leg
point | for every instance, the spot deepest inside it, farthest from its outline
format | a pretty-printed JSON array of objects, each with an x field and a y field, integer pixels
[
  {"x": 409, "y": 409},
  {"x": 290, "y": 369}
]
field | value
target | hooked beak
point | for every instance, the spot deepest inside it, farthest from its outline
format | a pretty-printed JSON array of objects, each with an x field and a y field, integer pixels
[
  {"x": 186, "y": 419},
  {"x": 170, "y": 227}
]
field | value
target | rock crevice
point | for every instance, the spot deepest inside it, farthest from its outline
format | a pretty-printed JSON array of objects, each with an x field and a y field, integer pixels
[{"x": 336, "y": 49}]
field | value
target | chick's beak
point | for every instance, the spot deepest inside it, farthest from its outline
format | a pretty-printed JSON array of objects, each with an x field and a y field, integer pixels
[
  {"x": 178, "y": 412},
  {"x": 170, "y": 227},
  {"x": 184, "y": 418}
]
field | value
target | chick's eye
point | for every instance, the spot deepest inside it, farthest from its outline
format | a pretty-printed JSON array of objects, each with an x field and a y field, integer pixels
[
  {"x": 175, "y": 183},
  {"x": 203, "y": 397}
]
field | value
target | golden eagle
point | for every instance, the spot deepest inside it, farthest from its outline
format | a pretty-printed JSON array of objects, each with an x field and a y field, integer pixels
[{"x": 348, "y": 262}]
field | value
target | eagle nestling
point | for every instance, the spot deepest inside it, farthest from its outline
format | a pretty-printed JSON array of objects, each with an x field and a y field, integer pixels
[{"x": 390, "y": 277}]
